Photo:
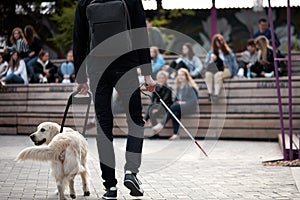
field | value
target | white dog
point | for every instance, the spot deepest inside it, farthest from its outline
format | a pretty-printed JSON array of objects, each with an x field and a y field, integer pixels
[{"x": 67, "y": 152}]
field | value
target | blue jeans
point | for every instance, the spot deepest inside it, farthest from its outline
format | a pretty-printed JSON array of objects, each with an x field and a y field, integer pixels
[
  {"x": 179, "y": 111},
  {"x": 14, "y": 78},
  {"x": 67, "y": 68},
  {"x": 30, "y": 61}
]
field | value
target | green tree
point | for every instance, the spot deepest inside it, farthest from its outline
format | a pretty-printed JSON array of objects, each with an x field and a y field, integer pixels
[
  {"x": 19, "y": 13},
  {"x": 65, "y": 24}
]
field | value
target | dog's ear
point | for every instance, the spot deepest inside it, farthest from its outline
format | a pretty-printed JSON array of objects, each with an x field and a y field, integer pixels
[{"x": 54, "y": 130}]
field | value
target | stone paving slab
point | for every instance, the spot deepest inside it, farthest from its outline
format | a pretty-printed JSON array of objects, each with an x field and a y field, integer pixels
[{"x": 170, "y": 170}]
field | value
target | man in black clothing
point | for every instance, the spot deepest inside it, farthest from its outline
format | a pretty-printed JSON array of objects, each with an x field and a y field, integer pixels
[{"x": 122, "y": 75}]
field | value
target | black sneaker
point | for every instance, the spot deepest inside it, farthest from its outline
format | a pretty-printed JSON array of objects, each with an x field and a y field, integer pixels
[
  {"x": 111, "y": 193},
  {"x": 133, "y": 184},
  {"x": 209, "y": 97}
]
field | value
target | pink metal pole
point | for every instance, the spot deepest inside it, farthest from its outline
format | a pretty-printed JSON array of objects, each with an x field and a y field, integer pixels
[
  {"x": 277, "y": 80},
  {"x": 213, "y": 14},
  {"x": 290, "y": 79}
]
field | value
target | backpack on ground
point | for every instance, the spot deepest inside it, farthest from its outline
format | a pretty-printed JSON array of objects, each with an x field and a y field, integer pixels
[{"x": 106, "y": 19}]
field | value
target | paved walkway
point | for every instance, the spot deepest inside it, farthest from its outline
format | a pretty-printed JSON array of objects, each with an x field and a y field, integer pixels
[{"x": 171, "y": 170}]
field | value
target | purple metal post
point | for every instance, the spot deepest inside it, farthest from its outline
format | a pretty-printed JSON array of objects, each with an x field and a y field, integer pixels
[
  {"x": 290, "y": 79},
  {"x": 277, "y": 79},
  {"x": 213, "y": 14}
]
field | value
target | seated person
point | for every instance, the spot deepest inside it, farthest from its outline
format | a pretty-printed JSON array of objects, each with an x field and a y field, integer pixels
[
  {"x": 35, "y": 46},
  {"x": 44, "y": 70},
  {"x": 220, "y": 63},
  {"x": 264, "y": 66},
  {"x": 67, "y": 71},
  {"x": 155, "y": 108},
  {"x": 186, "y": 102},
  {"x": 18, "y": 42},
  {"x": 249, "y": 57},
  {"x": 17, "y": 72},
  {"x": 3, "y": 67},
  {"x": 189, "y": 61},
  {"x": 157, "y": 61}
]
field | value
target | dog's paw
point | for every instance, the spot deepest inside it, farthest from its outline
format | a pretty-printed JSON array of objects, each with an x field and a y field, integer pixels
[
  {"x": 73, "y": 196},
  {"x": 87, "y": 193}
]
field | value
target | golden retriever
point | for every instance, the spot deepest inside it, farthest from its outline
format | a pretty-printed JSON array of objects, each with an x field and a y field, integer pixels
[{"x": 67, "y": 152}]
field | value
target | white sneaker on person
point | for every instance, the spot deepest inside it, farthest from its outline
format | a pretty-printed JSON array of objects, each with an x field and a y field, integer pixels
[
  {"x": 157, "y": 128},
  {"x": 240, "y": 72},
  {"x": 174, "y": 137},
  {"x": 269, "y": 75},
  {"x": 2, "y": 83},
  {"x": 253, "y": 74},
  {"x": 66, "y": 80},
  {"x": 45, "y": 80}
]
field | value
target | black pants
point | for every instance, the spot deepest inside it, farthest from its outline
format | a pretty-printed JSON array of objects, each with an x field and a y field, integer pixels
[
  {"x": 176, "y": 109},
  {"x": 179, "y": 65},
  {"x": 258, "y": 68},
  {"x": 127, "y": 86},
  {"x": 179, "y": 111}
]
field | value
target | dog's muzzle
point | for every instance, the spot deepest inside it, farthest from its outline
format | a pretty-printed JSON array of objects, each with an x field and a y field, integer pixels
[{"x": 33, "y": 138}]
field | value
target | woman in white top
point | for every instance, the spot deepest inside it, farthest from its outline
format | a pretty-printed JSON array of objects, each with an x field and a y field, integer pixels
[{"x": 17, "y": 70}]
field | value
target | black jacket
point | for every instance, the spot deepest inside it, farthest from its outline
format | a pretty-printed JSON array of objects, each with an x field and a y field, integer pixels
[
  {"x": 165, "y": 94},
  {"x": 38, "y": 69},
  {"x": 267, "y": 67},
  {"x": 81, "y": 41},
  {"x": 36, "y": 46}
]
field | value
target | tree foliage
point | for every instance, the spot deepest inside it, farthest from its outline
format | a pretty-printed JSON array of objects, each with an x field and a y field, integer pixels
[
  {"x": 19, "y": 13},
  {"x": 65, "y": 24}
]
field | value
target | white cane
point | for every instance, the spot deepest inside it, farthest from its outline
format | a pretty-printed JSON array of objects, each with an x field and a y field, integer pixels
[{"x": 178, "y": 121}]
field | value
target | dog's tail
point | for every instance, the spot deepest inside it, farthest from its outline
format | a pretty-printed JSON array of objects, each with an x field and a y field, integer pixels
[{"x": 41, "y": 153}]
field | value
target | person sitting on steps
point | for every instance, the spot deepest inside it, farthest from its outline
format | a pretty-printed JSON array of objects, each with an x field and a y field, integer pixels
[
  {"x": 186, "y": 102},
  {"x": 45, "y": 71},
  {"x": 155, "y": 108}
]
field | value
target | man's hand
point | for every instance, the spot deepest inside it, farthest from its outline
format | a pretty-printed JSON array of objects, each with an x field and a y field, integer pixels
[
  {"x": 150, "y": 83},
  {"x": 83, "y": 88},
  {"x": 47, "y": 73},
  {"x": 31, "y": 54},
  {"x": 264, "y": 62}
]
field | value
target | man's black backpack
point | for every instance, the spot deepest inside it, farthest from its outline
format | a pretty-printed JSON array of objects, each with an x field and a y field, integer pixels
[{"x": 106, "y": 19}]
